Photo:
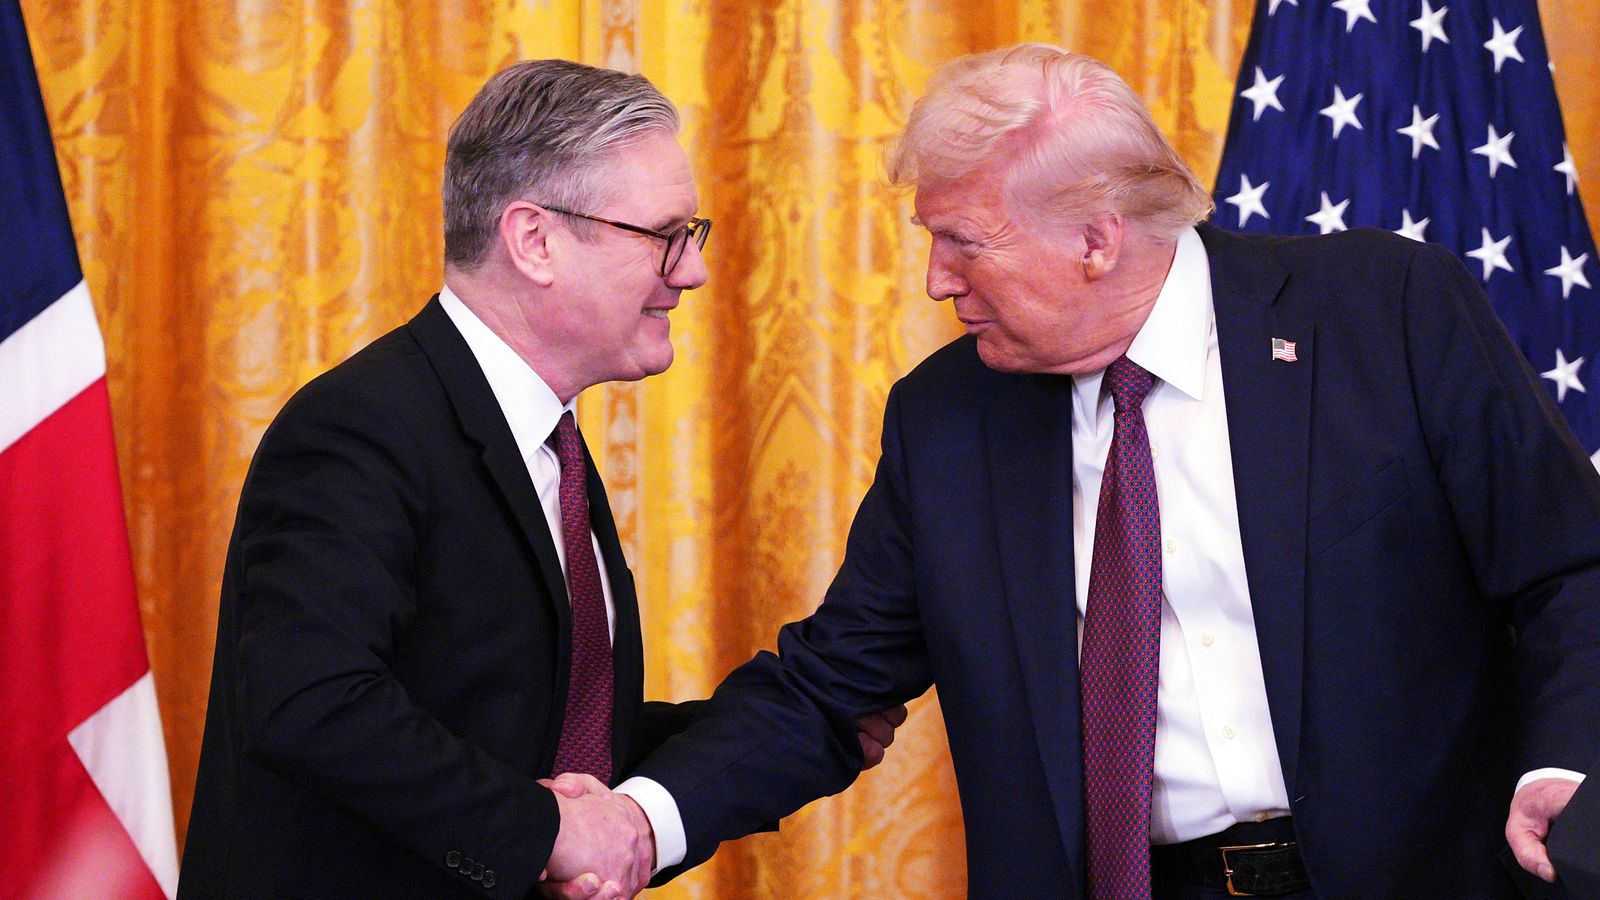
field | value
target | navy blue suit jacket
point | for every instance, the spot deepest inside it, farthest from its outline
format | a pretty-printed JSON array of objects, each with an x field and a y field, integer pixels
[{"x": 1422, "y": 542}]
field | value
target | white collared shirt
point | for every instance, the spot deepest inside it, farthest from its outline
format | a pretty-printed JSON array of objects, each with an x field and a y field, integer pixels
[
  {"x": 1216, "y": 761},
  {"x": 532, "y": 410}
]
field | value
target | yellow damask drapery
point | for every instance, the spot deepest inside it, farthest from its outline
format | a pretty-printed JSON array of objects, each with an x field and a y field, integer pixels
[{"x": 254, "y": 186}]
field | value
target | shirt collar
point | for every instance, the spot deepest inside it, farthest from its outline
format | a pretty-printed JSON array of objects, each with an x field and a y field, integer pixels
[
  {"x": 1173, "y": 343},
  {"x": 530, "y": 407}
]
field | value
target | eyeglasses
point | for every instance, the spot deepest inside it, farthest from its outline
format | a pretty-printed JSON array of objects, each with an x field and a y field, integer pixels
[{"x": 696, "y": 229}]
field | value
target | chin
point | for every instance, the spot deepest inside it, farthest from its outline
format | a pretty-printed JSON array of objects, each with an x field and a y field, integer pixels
[{"x": 998, "y": 359}]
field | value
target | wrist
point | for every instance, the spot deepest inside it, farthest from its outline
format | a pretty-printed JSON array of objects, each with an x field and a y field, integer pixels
[{"x": 641, "y": 822}]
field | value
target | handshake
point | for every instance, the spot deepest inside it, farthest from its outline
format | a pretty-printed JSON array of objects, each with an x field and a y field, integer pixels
[{"x": 606, "y": 848}]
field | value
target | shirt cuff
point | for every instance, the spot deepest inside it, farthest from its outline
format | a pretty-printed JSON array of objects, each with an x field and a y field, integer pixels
[
  {"x": 662, "y": 811},
  {"x": 1535, "y": 775}
]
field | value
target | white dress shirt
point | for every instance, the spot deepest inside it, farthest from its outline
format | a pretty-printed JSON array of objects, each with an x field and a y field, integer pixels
[
  {"x": 532, "y": 410},
  {"x": 1216, "y": 762}
]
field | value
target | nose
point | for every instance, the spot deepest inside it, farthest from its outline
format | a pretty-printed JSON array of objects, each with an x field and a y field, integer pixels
[
  {"x": 944, "y": 279},
  {"x": 690, "y": 271}
]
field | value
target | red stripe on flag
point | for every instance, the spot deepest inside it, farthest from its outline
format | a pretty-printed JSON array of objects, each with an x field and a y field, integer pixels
[{"x": 68, "y": 617}]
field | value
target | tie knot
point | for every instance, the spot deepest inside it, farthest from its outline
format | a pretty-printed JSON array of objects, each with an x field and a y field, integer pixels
[
  {"x": 565, "y": 435},
  {"x": 1128, "y": 383}
]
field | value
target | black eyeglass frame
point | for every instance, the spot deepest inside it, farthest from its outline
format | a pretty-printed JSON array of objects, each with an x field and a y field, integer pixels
[{"x": 696, "y": 229}]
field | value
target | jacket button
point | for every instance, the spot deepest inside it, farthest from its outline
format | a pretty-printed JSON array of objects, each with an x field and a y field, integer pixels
[
  {"x": 488, "y": 878},
  {"x": 453, "y": 859},
  {"x": 477, "y": 872}
]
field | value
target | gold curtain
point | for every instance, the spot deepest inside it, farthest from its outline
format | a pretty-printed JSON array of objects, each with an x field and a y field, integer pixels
[{"x": 254, "y": 186}]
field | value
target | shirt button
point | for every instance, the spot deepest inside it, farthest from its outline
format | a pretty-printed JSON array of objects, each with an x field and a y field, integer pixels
[
  {"x": 1227, "y": 732},
  {"x": 1207, "y": 639},
  {"x": 1155, "y": 452},
  {"x": 1171, "y": 545}
]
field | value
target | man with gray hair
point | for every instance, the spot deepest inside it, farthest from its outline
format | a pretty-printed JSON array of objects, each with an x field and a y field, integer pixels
[
  {"x": 1218, "y": 548},
  {"x": 426, "y": 612}
]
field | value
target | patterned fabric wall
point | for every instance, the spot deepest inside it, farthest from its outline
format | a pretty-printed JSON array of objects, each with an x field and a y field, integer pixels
[{"x": 255, "y": 190}]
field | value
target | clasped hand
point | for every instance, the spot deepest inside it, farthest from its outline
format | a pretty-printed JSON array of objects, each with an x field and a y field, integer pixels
[{"x": 605, "y": 848}]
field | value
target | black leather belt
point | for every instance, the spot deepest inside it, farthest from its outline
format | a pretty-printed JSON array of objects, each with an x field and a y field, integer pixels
[{"x": 1251, "y": 859}]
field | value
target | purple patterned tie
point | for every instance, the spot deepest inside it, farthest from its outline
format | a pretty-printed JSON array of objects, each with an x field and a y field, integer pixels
[
  {"x": 1122, "y": 651},
  {"x": 586, "y": 729}
]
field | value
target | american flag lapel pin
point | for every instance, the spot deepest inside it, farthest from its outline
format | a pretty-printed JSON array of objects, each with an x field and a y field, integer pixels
[{"x": 1284, "y": 350}]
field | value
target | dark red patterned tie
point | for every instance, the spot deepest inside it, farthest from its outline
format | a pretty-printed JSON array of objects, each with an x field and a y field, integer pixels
[
  {"x": 1122, "y": 651},
  {"x": 586, "y": 730}
]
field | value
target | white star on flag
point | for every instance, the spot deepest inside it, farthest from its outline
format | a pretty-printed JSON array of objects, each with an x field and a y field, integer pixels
[
  {"x": 1342, "y": 111},
  {"x": 1354, "y": 10},
  {"x": 1420, "y": 131},
  {"x": 1568, "y": 168},
  {"x": 1565, "y": 375},
  {"x": 1492, "y": 253},
  {"x": 1431, "y": 24},
  {"x": 1249, "y": 199},
  {"x": 1263, "y": 93},
  {"x": 1274, "y": 7},
  {"x": 1570, "y": 271},
  {"x": 1465, "y": 89},
  {"x": 1330, "y": 217},
  {"x": 1498, "y": 150},
  {"x": 1504, "y": 45},
  {"x": 1412, "y": 229}
]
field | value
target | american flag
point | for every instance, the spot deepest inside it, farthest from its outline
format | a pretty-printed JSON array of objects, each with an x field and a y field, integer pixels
[
  {"x": 1284, "y": 350},
  {"x": 84, "y": 804},
  {"x": 1438, "y": 121}
]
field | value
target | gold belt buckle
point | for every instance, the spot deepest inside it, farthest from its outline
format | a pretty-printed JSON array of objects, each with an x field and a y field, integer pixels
[{"x": 1227, "y": 867}]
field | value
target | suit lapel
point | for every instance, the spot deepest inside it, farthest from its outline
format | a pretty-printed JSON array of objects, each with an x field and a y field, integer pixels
[
  {"x": 627, "y": 648},
  {"x": 1269, "y": 432},
  {"x": 1028, "y": 435},
  {"x": 483, "y": 422}
]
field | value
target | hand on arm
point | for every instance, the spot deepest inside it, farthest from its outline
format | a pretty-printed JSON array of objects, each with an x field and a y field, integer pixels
[
  {"x": 1534, "y": 806},
  {"x": 876, "y": 731}
]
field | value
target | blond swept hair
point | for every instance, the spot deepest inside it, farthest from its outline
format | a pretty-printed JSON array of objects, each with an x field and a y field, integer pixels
[{"x": 1076, "y": 141}]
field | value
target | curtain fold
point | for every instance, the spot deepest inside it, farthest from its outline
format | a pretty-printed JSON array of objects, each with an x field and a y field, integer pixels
[{"x": 255, "y": 188}]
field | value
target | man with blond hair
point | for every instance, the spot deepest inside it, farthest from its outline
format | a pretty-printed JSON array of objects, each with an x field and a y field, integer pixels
[{"x": 1218, "y": 548}]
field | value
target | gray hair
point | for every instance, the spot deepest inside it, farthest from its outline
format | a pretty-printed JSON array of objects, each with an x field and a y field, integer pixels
[
  {"x": 540, "y": 130},
  {"x": 1076, "y": 140}
]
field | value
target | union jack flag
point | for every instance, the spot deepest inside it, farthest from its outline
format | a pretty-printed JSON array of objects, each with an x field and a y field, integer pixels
[
  {"x": 1438, "y": 121},
  {"x": 87, "y": 811}
]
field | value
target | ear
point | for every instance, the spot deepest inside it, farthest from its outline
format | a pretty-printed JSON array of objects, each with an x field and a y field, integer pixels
[
  {"x": 1102, "y": 240},
  {"x": 525, "y": 233}
]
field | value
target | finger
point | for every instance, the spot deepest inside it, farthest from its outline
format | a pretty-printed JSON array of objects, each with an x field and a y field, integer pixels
[
  {"x": 587, "y": 784},
  {"x": 896, "y": 716},
  {"x": 611, "y": 890},
  {"x": 581, "y": 888},
  {"x": 876, "y": 727},
  {"x": 1527, "y": 845},
  {"x": 871, "y": 751},
  {"x": 571, "y": 790},
  {"x": 574, "y": 785}
]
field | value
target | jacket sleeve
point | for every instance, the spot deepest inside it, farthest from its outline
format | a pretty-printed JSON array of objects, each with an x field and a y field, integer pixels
[
  {"x": 1525, "y": 498},
  {"x": 325, "y": 554},
  {"x": 779, "y": 732},
  {"x": 657, "y": 721}
]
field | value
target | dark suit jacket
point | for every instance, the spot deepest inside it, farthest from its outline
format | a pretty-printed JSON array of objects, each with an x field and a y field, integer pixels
[
  {"x": 393, "y": 645},
  {"x": 1422, "y": 543}
]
